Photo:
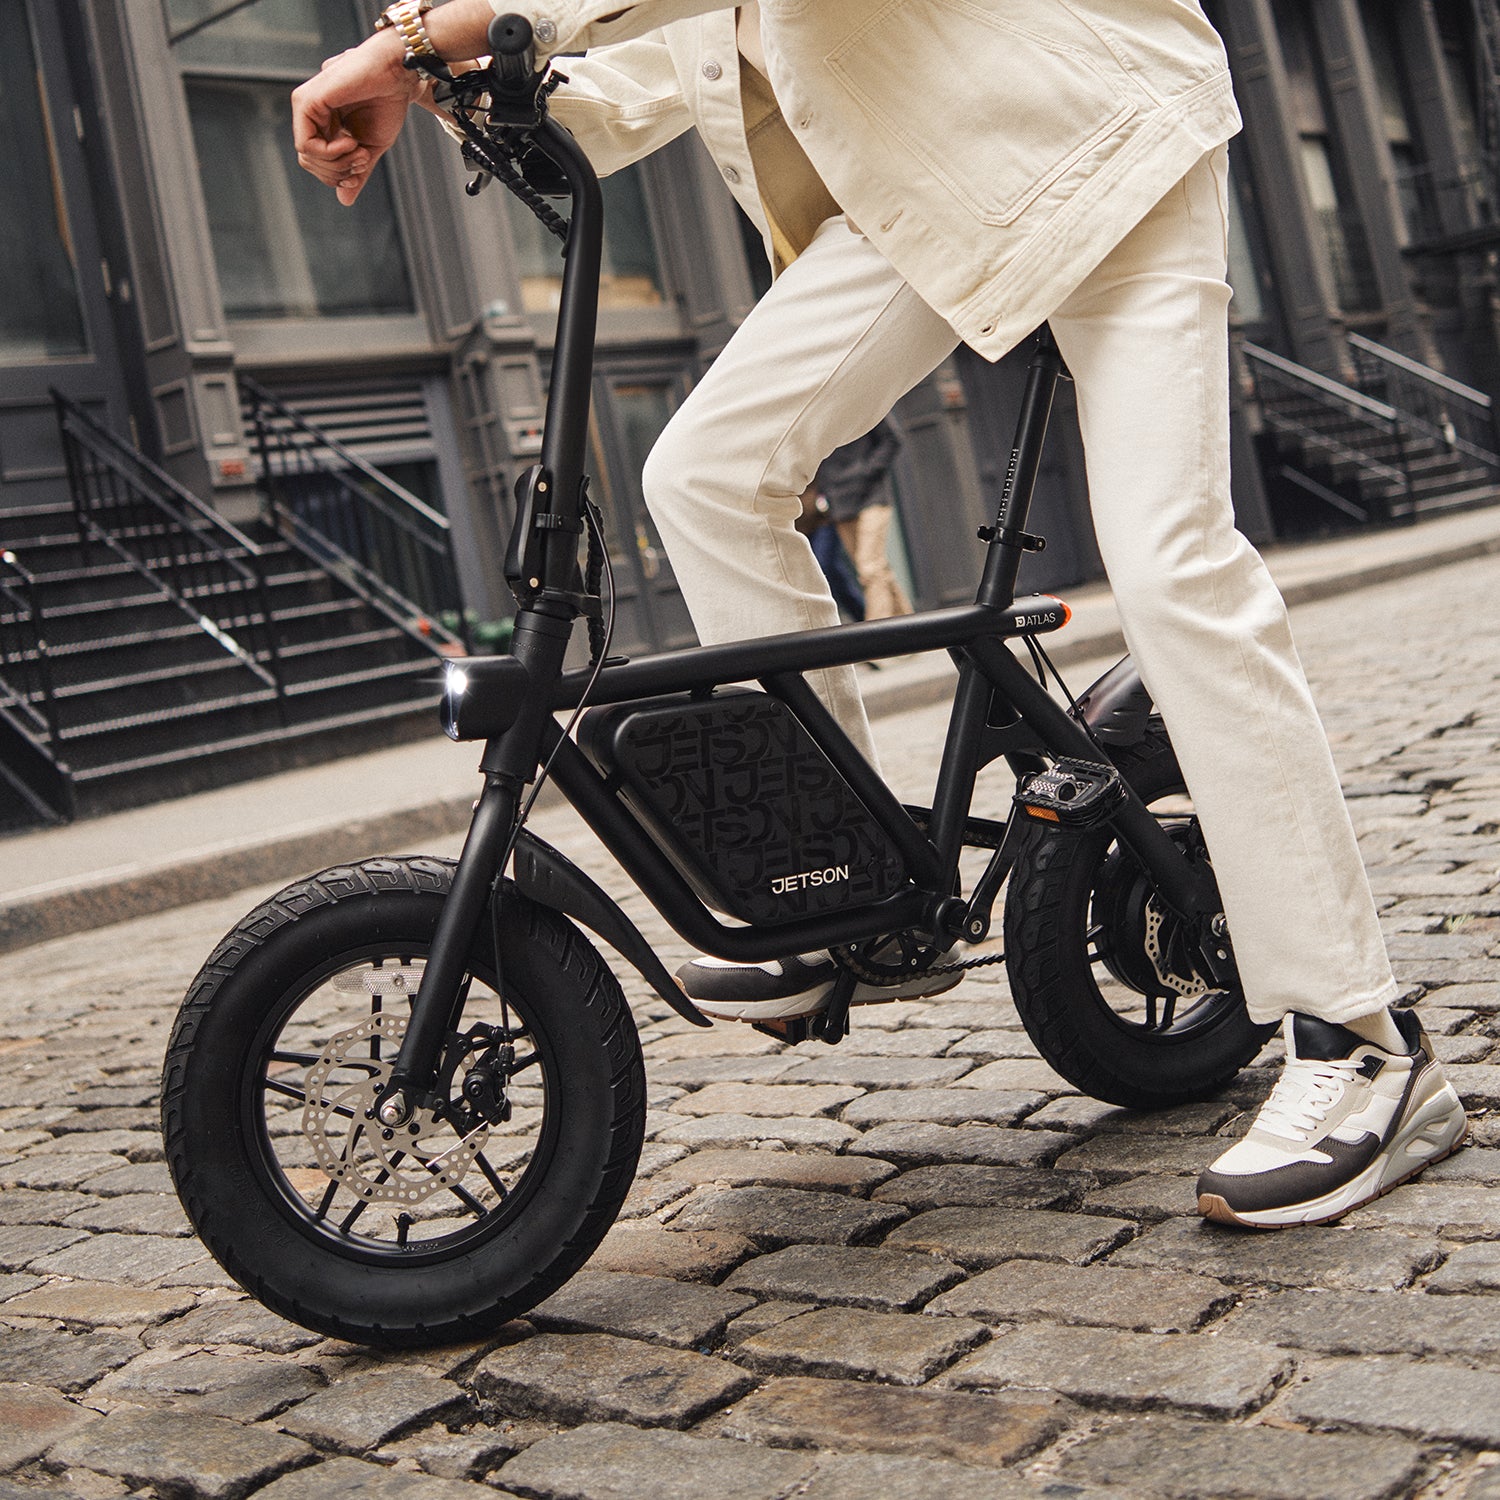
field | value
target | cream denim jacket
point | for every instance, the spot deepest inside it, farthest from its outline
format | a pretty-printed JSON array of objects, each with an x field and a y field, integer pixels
[{"x": 995, "y": 151}]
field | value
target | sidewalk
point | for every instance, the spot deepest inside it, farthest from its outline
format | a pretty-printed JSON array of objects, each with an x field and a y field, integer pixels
[{"x": 152, "y": 859}]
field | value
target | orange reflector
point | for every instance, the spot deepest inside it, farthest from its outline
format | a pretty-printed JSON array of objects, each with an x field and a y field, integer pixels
[
  {"x": 1062, "y": 605},
  {"x": 1045, "y": 813}
]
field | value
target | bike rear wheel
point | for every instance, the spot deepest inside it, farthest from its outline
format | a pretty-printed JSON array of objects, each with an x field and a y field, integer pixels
[
  {"x": 1100, "y": 971},
  {"x": 482, "y": 1204}
]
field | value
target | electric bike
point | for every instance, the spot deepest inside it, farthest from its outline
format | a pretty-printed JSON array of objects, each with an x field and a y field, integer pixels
[{"x": 404, "y": 1098}]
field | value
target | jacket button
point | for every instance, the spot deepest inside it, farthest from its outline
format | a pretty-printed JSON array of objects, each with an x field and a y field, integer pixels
[
  {"x": 730, "y": 175},
  {"x": 546, "y": 31},
  {"x": 712, "y": 71}
]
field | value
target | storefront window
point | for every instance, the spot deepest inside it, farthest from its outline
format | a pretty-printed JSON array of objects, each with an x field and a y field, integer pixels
[
  {"x": 40, "y": 316},
  {"x": 284, "y": 246},
  {"x": 631, "y": 270}
]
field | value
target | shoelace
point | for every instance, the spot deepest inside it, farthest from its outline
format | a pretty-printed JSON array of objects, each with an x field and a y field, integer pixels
[{"x": 1303, "y": 1096}]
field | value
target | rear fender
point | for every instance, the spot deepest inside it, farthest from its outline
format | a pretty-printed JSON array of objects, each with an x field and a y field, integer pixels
[{"x": 1117, "y": 708}]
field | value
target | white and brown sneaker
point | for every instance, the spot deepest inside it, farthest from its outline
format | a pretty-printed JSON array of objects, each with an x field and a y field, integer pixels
[
  {"x": 1346, "y": 1122},
  {"x": 787, "y": 988}
]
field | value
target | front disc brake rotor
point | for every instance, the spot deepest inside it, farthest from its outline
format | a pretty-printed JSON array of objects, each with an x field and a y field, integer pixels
[{"x": 403, "y": 1165}]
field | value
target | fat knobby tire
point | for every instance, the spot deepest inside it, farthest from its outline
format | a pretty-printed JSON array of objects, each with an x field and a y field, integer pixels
[
  {"x": 218, "y": 1158},
  {"x": 1047, "y": 915}
]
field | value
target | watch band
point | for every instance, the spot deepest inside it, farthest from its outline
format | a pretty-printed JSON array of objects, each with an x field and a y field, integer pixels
[{"x": 405, "y": 16}]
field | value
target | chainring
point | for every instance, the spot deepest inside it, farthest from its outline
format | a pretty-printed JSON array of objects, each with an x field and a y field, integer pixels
[{"x": 404, "y": 1165}]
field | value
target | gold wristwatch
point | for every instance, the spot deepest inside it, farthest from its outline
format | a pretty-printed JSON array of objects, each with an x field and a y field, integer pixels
[{"x": 405, "y": 16}]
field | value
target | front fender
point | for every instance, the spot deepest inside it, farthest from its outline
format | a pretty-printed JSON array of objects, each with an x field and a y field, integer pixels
[{"x": 552, "y": 879}]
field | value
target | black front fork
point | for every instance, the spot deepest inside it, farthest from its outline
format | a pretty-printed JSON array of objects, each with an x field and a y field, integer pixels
[{"x": 550, "y": 603}]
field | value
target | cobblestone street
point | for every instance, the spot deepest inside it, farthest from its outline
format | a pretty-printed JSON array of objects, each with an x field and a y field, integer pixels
[{"x": 916, "y": 1265}]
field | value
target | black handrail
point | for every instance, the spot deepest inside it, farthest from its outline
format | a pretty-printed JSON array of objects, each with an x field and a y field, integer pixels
[
  {"x": 1318, "y": 413},
  {"x": 388, "y": 544},
  {"x": 25, "y": 667},
  {"x": 1457, "y": 415},
  {"x": 204, "y": 565}
]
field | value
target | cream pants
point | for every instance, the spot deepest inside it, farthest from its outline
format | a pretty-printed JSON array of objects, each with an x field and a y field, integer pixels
[{"x": 827, "y": 353}]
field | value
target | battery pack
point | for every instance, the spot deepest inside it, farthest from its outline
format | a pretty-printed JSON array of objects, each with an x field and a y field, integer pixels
[{"x": 745, "y": 803}]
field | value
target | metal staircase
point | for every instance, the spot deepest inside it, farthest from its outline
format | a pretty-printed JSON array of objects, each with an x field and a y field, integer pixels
[
  {"x": 1401, "y": 442},
  {"x": 148, "y": 647}
]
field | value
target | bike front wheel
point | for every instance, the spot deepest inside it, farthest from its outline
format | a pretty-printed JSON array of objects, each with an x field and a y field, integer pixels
[
  {"x": 1100, "y": 969},
  {"x": 498, "y": 1187}
]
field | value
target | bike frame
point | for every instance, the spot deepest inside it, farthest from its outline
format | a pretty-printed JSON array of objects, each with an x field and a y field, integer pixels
[{"x": 1000, "y": 711}]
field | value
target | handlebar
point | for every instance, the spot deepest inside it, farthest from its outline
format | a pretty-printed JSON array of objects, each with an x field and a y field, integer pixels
[{"x": 514, "y": 66}]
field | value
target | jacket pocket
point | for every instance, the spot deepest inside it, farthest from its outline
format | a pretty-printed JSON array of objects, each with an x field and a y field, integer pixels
[{"x": 996, "y": 111}]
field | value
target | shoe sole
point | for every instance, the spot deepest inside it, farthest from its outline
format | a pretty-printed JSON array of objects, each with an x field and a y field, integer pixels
[{"x": 1213, "y": 1206}]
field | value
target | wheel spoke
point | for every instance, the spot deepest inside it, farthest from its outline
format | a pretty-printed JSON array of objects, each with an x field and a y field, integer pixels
[
  {"x": 1151, "y": 1011},
  {"x": 305, "y": 1059},
  {"x": 328, "y": 1196},
  {"x": 522, "y": 1062},
  {"x": 364, "y": 1203},
  {"x": 347, "y": 1222},
  {"x": 491, "y": 1176},
  {"x": 468, "y": 1200},
  {"x": 1167, "y": 1012},
  {"x": 343, "y": 1111}
]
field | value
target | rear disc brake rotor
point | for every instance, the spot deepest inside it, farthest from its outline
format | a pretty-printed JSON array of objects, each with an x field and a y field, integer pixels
[{"x": 1139, "y": 939}]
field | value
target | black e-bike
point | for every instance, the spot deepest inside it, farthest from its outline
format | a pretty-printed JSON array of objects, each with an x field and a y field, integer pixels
[{"x": 404, "y": 1098}]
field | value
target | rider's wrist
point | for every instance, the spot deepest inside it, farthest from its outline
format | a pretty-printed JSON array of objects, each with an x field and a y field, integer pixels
[{"x": 407, "y": 19}]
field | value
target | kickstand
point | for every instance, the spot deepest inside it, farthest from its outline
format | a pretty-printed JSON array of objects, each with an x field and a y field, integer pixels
[{"x": 831, "y": 1024}]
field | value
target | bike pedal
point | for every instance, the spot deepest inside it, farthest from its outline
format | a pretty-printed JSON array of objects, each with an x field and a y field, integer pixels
[
  {"x": 789, "y": 1029},
  {"x": 1071, "y": 794}
]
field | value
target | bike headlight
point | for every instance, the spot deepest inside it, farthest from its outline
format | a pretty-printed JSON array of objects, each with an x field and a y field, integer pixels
[{"x": 482, "y": 696}]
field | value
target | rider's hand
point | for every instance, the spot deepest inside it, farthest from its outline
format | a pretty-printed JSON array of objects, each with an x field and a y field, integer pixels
[{"x": 348, "y": 116}]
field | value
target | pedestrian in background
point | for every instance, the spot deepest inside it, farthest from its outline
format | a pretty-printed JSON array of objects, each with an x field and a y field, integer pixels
[
  {"x": 816, "y": 524},
  {"x": 855, "y": 480}
]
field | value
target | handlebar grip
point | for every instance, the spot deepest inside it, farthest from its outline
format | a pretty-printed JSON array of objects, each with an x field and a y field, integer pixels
[{"x": 514, "y": 63}]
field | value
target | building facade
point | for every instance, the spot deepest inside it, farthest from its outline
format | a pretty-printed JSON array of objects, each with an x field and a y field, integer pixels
[{"x": 160, "y": 241}]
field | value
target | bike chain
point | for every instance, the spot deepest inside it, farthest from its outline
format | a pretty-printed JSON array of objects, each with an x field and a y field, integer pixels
[{"x": 885, "y": 977}]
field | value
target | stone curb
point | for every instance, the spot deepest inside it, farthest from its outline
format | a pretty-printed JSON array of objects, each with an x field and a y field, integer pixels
[{"x": 211, "y": 873}]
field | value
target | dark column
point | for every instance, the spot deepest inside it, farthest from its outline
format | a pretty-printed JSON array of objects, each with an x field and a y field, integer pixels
[
  {"x": 1273, "y": 152},
  {"x": 1436, "y": 115},
  {"x": 1354, "y": 95}
]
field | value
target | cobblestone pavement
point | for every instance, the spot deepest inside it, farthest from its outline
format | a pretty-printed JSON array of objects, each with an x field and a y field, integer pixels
[{"x": 916, "y": 1265}]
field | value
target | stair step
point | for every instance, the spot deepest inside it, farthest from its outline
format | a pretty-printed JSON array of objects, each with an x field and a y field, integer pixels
[
  {"x": 221, "y": 661},
  {"x": 365, "y": 675},
  {"x": 107, "y": 786},
  {"x": 170, "y": 715},
  {"x": 358, "y": 640}
]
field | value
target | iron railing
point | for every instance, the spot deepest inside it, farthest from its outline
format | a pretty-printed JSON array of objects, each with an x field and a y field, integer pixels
[
  {"x": 26, "y": 686},
  {"x": 382, "y": 540},
  {"x": 1337, "y": 429},
  {"x": 1458, "y": 416},
  {"x": 204, "y": 565},
  {"x": 31, "y": 760}
]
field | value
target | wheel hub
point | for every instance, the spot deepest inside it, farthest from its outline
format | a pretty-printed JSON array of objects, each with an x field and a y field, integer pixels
[{"x": 404, "y": 1165}]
